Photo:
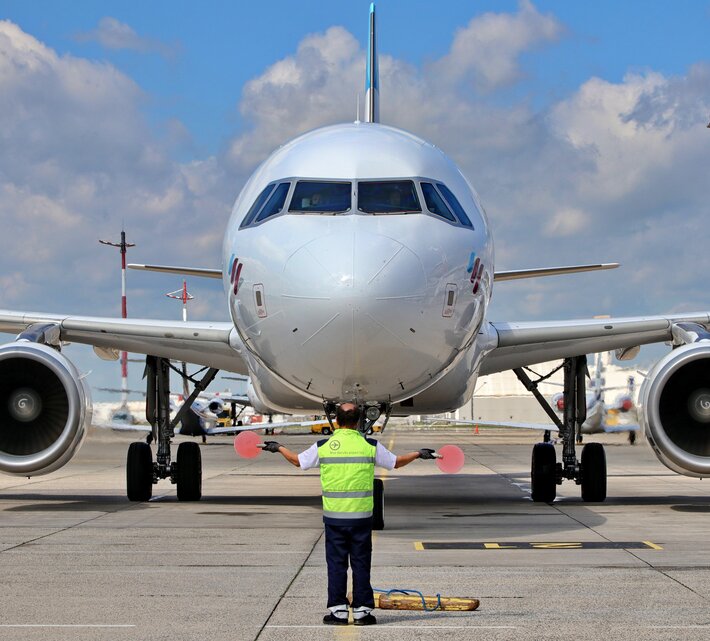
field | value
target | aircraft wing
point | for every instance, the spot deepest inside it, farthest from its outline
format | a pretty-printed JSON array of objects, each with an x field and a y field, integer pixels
[
  {"x": 201, "y": 343},
  {"x": 521, "y": 344},
  {"x": 613, "y": 429},
  {"x": 124, "y": 427},
  {"x": 253, "y": 427},
  {"x": 446, "y": 422}
]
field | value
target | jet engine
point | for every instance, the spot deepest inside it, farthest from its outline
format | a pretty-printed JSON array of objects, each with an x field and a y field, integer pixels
[
  {"x": 675, "y": 404},
  {"x": 45, "y": 409}
]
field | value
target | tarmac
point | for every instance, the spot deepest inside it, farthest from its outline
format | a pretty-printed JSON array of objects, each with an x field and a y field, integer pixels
[{"x": 78, "y": 561}]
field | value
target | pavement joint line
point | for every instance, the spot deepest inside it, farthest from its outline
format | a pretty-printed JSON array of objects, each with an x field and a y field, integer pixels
[
  {"x": 288, "y": 587},
  {"x": 385, "y": 626},
  {"x": 630, "y": 553},
  {"x": 66, "y": 625},
  {"x": 130, "y": 506}
]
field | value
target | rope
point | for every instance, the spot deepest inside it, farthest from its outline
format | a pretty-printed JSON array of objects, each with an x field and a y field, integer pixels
[{"x": 410, "y": 592}]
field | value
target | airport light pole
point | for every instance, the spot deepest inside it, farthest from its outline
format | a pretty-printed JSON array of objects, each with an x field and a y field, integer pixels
[
  {"x": 184, "y": 296},
  {"x": 123, "y": 246}
]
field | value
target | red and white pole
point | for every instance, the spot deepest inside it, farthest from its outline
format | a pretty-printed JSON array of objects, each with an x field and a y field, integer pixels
[
  {"x": 124, "y": 314},
  {"x": 184, "y": 296},
  {"x": 123, "y": 246}
]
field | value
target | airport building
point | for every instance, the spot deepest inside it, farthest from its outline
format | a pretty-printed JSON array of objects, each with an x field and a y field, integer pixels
[{"x": 502, "y": 397}]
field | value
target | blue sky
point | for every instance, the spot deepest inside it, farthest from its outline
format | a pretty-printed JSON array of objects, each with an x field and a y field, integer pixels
[
  {"x": 221, "y": 45},
  {"x": 582, "y": 125}
]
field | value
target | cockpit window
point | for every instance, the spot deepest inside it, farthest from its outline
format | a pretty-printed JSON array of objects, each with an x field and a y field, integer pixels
[
  {"x": 435, "y": 203},
  {"x": 275, "y": 203},
  {"x": 388, "y": 197},
  {"x": 258, "y": 204},
  {"x": 455, "y": 205},
  {"x": 321, "y": 197}
]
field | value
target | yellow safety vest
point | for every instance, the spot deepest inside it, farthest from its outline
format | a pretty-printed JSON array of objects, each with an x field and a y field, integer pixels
[{"x": 347, "y": 473}]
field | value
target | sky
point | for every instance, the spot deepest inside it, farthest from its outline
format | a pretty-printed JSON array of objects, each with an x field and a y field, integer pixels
[{"x": 581, "y": 125}]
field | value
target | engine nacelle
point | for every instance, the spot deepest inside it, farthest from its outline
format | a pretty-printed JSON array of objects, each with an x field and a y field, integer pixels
[
  {"x": 675, "y": 404},
  {"x": 45, "y": 409}
]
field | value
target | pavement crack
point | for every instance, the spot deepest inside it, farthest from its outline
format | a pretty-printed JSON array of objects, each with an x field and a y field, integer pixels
[{"x": 288, "y": 587}]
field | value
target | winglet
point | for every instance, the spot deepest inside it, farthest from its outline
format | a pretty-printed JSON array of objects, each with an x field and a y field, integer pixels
[{"x": 372, "y": 79}]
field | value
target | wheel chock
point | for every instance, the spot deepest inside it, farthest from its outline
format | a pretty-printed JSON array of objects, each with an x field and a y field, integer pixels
[{"x": 396, "y": 601}]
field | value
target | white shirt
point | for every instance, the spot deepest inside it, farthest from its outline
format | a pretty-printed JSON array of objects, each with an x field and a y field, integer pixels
[{"x": 383, "y": 457}]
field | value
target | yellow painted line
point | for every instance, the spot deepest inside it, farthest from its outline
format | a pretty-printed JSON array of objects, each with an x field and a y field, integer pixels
[
  {"x": 418, "y": 546},
  {"x": 653, "y": 546},
  {"x": 498, "y": 546}
]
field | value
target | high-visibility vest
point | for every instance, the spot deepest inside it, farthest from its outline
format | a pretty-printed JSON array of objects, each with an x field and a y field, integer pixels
[{"x": 347, "y": 473}]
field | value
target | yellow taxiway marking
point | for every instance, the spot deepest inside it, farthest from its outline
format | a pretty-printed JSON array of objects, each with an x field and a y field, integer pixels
[
  {"x": 653, "y": 546},
  {"x": 535, "y": 545}
]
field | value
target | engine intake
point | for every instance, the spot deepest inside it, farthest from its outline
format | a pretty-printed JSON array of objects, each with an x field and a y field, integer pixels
[
  {"x": 45, "y": 409},
  {"x": 676, "y": 409}
]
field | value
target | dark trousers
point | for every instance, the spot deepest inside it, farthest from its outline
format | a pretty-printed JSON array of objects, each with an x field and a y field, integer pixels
[{"x": 353, "y": 543}]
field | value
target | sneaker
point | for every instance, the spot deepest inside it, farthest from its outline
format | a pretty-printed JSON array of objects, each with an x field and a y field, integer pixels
[
  {"x": 368, "y": 619},
  {"x": 331, "y": 619}
]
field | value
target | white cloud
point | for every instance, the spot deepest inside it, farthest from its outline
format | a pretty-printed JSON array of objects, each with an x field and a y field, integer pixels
[
  {"x": 114, "y": 34},
  {"x": 616, "y": 171},
  {"x": 487, "y": 50}
]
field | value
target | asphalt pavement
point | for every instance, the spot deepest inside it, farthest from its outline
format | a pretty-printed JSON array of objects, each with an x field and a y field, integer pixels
[{"x": 78, "y": 561}]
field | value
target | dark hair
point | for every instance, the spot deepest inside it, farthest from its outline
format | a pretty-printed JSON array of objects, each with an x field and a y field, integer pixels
[{"x": 348, "y": 418}]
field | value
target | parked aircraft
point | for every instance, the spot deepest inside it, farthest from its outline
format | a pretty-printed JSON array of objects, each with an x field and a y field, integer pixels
[
  {"x": 358, "y": 264},
  {"x": 604, "y": 417}
]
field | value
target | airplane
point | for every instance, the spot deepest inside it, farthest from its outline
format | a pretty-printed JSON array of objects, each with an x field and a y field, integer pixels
[{"x": 358, "y": 264}]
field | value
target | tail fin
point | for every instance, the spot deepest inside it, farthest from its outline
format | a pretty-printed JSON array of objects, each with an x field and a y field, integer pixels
[{"x": 372, "y": 80}]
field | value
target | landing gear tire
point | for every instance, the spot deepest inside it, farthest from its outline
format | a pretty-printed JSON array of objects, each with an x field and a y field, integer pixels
[
  {"x": 139, "y": 472},
  {"x": 593, "y": 473},
  {"x": 543, "y": 473},
  {"x": 378, "y": 510},
  {"x": 189, "y": 472}
]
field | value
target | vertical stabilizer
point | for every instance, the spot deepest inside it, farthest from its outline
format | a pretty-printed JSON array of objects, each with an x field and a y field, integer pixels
[{"x": 372, "y": 80}]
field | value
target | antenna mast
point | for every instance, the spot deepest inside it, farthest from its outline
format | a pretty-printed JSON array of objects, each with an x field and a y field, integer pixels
[
  {"x": 184, "y": 296},
  {"x": 123, "y": 246}
]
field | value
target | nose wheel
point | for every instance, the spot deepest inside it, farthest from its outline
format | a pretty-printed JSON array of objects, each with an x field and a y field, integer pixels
[{"x": 378, "y": 509}]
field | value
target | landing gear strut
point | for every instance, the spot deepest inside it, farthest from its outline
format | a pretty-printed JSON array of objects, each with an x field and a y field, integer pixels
[
  {"x": 546, "y": 472},
  {"x": 141, "y": 471}
]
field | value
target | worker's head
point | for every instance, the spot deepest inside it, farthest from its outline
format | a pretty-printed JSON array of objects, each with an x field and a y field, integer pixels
[{"x": 348, "y": 415}]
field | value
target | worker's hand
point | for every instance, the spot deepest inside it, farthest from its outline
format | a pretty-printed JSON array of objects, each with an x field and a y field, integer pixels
[
  {"x": 426, "y": 454},
  {"x": 271, "y": 446}
]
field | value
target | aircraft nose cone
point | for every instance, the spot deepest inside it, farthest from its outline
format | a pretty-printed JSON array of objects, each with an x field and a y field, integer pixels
[
  {"x": 353, "y": 301},
  {"x": 353, "y": 269}
]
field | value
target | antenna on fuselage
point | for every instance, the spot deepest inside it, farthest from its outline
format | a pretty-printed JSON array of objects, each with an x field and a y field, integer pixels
[{"x": 372, "y": 79}]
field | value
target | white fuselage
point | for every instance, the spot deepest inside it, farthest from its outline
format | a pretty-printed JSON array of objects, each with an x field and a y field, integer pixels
[{"x": 355, "y": 305}]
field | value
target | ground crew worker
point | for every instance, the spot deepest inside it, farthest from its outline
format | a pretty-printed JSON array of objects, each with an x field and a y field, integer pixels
[{"x": 347, "y": 466}]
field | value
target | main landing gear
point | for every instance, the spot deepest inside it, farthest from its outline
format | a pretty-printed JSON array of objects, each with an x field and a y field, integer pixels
[
  {"x": 186, "y": 472},
  {"x": 546, "y": 473}
]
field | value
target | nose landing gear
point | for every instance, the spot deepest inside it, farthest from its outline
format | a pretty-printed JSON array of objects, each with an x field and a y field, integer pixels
[{"x": 546, "y": 473}]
